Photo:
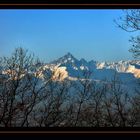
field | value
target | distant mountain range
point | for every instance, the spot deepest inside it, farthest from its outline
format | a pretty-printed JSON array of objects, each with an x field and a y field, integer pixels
[
  {"x": 127, "y": 70},
  {"x": 68, "y": 67}
]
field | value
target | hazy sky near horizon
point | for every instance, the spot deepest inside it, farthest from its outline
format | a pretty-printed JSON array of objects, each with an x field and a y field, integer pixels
[{"x": 50, "y": 34}]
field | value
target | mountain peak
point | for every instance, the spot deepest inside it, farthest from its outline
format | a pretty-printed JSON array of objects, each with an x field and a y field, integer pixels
[
  {"x": 66, "y": 58},
  {"x": 69, "y": 55},
  {"x": 82, "y": 60}
]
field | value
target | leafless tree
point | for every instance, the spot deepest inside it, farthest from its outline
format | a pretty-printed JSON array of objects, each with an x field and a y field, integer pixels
[
  {"x": 31, "y": 97},
  {"x": 130, "y": 22},
  {"x": 20, "y": 89}
]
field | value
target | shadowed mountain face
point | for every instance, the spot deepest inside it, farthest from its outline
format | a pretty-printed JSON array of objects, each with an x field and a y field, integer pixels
[
  {"x": 126, "y": 70},
  {"x": 71, "y": 67},
  {"x": 68, "y": 67},
  {"x": 74, "y": 66}
]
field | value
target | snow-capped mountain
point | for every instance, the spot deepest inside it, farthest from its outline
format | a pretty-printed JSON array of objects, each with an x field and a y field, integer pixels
[
  {"x": 68, "y": 67},
  {"x": 122, "y": 67},
  {"x": 101, "y": 70},
  {"x": 75, "y": 67},
  {"x": 125, "y": 72}
]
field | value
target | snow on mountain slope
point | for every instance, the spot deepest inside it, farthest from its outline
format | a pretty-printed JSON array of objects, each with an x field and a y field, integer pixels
[
  {"x": 73, "y": 66},
  {"x": 127, "y": 72},
  {"x": 69, "y": 66},
  {"x": 60, "y": 73},
  {"x": 122, "y": 66},
  {"x": 72, "y": 69},
  {"x": 76, "y": 68}
]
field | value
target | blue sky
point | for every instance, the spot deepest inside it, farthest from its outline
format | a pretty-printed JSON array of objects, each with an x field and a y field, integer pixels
[{"x": 50, "y": 34}]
